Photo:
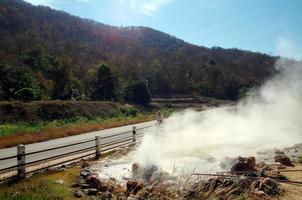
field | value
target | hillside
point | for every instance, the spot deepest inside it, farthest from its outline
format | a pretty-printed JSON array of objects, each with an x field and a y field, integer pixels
[{"x": 61, "y": 53}]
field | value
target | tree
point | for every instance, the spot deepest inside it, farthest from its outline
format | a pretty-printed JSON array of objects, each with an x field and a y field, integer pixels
[
  {"x": 137, "y": 93},
  {"x": 104, "y": 88},
  {"x": 14, "y": 80}
]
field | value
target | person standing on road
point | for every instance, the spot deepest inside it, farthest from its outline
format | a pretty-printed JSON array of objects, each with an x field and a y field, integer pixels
[{"x": 160, "y": 118}]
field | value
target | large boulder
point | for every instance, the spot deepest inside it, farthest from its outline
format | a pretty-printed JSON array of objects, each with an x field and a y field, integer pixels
[
  {"x": 240, "y": 167},
  {"x": 79, "y": 193},
  {"x": 94, "y": 181},
  {"x": 251, "y": 162},
  {"x": 284, "y": 160},
  {"x": 134, "y": 186},
  {"x": 107, "y": 186}
]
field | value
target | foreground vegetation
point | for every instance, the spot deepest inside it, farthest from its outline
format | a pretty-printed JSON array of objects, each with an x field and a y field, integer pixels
[
  {"x": 35, "y": 190},
  {"x": 42, "y": 187}
]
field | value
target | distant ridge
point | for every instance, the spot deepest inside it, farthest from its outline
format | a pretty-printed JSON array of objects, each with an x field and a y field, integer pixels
[{"x": 48, "y": 42}]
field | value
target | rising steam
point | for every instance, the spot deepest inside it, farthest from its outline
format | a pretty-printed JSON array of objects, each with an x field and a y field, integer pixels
[{"x": 270, "y": 117}]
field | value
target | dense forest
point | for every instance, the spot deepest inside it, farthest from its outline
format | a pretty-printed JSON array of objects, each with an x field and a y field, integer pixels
[{"x": 48, "y": 54}]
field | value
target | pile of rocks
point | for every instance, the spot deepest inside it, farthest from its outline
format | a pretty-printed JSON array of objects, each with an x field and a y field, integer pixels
[
  {"x": 145, "y": 182},
  {"x": 91, "y": 184},
  {"x": 283, "y": 159}
]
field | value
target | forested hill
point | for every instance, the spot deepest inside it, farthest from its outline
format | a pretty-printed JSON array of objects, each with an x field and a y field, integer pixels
[{"x": 56, "y": 53}]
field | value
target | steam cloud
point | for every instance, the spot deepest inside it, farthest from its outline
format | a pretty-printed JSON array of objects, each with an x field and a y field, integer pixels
[{"x": 270, "y": 117}]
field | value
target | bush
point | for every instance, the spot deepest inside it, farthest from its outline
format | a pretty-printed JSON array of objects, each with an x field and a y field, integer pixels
[
  {"x": 137, "y": 93},
  {"x": 25, "y": 94},
  {"x": 131, "y": 111}
]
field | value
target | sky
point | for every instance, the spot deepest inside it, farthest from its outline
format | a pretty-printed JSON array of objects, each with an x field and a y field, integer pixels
[{"x": 268, "y": 26}]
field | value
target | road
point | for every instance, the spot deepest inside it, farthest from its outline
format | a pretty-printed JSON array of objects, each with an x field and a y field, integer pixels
[{"x": 7, "y": 152}]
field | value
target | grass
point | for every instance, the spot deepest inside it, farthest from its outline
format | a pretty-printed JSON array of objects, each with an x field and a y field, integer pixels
[
  {"x": 34, "y": 190},
  {"x": 26, "y": 133},
  {"x": 42, "y": 187}
]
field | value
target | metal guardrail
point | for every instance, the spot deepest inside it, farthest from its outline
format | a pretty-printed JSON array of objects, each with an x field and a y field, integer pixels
[{"x": 96, "y": 150}]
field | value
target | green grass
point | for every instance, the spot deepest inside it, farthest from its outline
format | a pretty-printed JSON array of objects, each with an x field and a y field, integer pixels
[
  {"x": 9, "y": 129},
  {"x": 34, "y": 190}
]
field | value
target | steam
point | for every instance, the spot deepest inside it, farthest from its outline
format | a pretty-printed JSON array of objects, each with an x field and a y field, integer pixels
[{"x": 270, "y": 117}]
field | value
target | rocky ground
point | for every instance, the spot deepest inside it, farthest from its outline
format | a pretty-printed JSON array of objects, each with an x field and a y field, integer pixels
[{"x": 268, "y": 177}]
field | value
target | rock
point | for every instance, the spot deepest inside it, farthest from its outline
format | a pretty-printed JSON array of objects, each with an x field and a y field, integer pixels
[
  {"x": 79, "y": 193},
  {"x": 92, "y": 191},
  {"x": 240, "y": 167},
  {"x": 94, "y": 181},
  {"x": 284, "y": 160},
  {"x": 75, "y": 184},
  {"x": 251, "y": 162},
  {"x": 85, "y": 191},
  {"x": 85, "y": 186},
  {"x": 81, "y": 181},
  {"x": 134, "y": 186},
  {"x": 106, "y": 187},
  {"x": 60, "y": 181},
  {"x": 85, "y": 164},
  {"x": 148, "y": 173},
  {"x": 137, "y": 170},
  {"x": 84, "y": 172}
]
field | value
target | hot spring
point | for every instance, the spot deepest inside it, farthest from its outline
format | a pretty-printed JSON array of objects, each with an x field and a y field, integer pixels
[{"x": 269, "y": 117}]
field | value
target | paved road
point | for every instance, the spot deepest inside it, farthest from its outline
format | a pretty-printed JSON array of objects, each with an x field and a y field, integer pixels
[{"x": 68, "y": 140}]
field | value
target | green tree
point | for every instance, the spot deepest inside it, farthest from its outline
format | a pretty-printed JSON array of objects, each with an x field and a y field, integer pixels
[
  {"x": 137, "y": 93},
  {"x": 14, "y": 79},
  {"x": 104, "y": 88}
]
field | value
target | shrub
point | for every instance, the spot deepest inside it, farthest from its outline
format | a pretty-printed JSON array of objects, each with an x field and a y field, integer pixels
[
  {"x": 25, "y": 94},
  {"x": 131, "y": 111}
]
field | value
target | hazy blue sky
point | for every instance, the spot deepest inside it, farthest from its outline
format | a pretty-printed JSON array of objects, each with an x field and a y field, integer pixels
[{"x": 269, "y": 26}]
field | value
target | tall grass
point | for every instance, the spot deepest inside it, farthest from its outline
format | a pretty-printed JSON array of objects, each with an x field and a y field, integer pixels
[{"x": 34, "y": 190}]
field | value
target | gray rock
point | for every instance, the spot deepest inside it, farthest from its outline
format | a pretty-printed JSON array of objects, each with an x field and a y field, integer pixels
[
  {"x": 84, "y": 172},
  {"x": 82, "y": 181},
  {"x": 85, "y": 191},
  {"x": 79, "y": 193},
  {"x": 92, "y": 191},
  {"x": 75, "y": 184},
  {"x": 85, "y": 186}
]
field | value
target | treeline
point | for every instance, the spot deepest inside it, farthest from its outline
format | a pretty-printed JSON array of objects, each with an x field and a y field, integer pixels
[
  {"x": 21, "y": 84},
  {"x": 48, "y": 54}
]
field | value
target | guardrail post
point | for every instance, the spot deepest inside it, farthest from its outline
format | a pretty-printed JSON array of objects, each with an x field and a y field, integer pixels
[
  {"x": 134, "y": 134},
  {"x": 98, "y": 146},
  {"x": 21, "y": 161}
]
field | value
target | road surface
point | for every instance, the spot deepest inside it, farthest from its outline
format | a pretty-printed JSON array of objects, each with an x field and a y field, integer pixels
[{"x": 7, "y": 152}]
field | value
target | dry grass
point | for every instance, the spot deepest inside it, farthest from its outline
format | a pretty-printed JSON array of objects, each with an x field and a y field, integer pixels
[{"x": 59, "y": 132}]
